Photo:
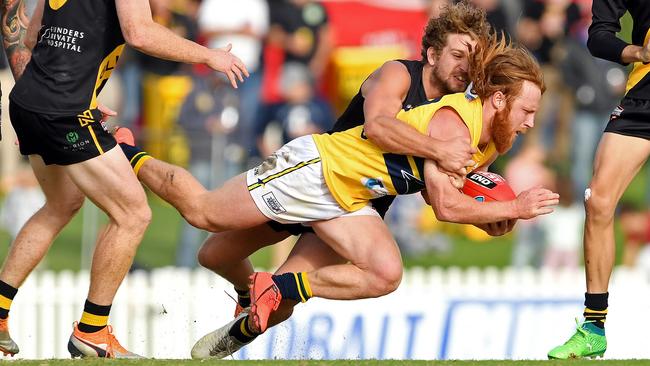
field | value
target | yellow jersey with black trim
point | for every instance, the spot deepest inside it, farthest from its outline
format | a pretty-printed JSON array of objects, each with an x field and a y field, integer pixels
[
  {"x": 356, "y": 170},
  {"x": 77, "y": 49}
]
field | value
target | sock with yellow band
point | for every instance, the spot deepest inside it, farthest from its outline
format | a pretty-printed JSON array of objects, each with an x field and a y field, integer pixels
[
  {"x": 294, "y": 286},
  {"x": 94, "y": 317},
  {"x": 136, "y": 156},
  {"x": 7, "y": 294},
  {"x": 596, "y": 309},
  {"x": 241, "y": 331},
  {"x": 243, "y": 297}
]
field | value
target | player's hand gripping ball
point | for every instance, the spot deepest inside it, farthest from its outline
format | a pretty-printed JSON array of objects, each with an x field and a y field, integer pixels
[{"x": 486, "y": 186}]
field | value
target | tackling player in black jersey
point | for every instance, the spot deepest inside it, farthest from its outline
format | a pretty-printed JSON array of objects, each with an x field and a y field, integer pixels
[{"x": 59, "y": 122}]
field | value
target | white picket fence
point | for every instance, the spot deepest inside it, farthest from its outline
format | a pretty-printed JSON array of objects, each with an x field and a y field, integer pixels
[{"x": 435, "y": 314}]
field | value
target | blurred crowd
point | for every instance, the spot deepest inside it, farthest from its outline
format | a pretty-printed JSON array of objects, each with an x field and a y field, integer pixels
[{"x": 307, "y": 58}]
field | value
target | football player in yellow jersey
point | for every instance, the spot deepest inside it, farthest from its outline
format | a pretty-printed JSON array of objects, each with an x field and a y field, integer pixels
[{"x": 292, "y": 187}]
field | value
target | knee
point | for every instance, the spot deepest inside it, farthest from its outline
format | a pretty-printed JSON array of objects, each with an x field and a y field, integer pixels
[
  {"x": 136, "y": 219},
  {"x": 599, "y": 205},
  {"x": 208, "y": 257},
  {"x": 65, "y": 209},
  {"x": 387, "y": 278}
]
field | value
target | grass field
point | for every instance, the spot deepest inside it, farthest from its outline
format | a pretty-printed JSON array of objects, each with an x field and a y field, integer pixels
[{"x": 331, "y": 363}]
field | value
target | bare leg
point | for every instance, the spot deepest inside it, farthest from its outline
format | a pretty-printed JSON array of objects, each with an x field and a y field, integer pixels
[
  {"x": 309, "y": 253},
  {"x": 109, "y": 182},
  {"x": 230, "y": 207},
  {"x": 376, "y": 265},
  {"x": 227, "y": 253},
  {"x": 63, "y": 200},
  {"x": 618, "y": 160}
]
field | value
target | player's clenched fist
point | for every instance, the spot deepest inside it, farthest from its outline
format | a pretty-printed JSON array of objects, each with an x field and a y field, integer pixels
[
  {"x": 455, "y": 157},
  {"x": 535, "y": 202},
  {"x": 226, "y": 62}
]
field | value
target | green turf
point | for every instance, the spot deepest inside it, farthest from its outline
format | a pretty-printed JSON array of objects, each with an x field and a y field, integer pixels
[{"x": 333, "y": 363}]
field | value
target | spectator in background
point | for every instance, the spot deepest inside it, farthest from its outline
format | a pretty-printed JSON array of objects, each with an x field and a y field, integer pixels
[
  {"x": 563, "y": 229},
  {"x": 524, "y": 171},
  {"x": 495, "y": 14},
  {"x": 300, "y": 28},
  {"x": 244, "y": 23},
  {"x": 299, "y": 33},
  {"x": 635, "y": 225},
  {"x": 544, "y": 27},
  {"x": 596, "y": 86},
  {"x": 21, "y": 202},
  {"x": 208, "y": 117},
  {"x": 302, "y": 112}
]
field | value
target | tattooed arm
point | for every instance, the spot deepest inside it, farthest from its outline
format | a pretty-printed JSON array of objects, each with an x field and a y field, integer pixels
[{"x": 18, "y": 41}]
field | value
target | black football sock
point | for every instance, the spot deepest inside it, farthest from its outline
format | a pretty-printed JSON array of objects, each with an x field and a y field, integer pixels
[
  {"x": 294, "y": 286},
  {"x": 596, "y": 309},
  {"x": 7, "y": 294},
  {"x": 94, "y": 317}
]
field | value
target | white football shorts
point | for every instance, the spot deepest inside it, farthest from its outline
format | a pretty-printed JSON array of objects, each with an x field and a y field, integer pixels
[{"x": 289, "y": 187}]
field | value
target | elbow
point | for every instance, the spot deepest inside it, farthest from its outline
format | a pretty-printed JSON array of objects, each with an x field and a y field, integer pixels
[
  {"x": 136, "y": 38},
  {"x": 445, "y": 212}
]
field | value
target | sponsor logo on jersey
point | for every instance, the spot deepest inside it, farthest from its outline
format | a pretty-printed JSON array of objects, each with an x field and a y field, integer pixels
[
  {"x": 273, "y": 203},
  {"x": 61, "y": 37},
  {"x": 375, "y": 186},
  {"x": 484, "y": 181}
]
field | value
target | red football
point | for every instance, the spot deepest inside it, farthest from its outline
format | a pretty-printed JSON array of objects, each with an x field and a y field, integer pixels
[{"x": 486, "y": 186}]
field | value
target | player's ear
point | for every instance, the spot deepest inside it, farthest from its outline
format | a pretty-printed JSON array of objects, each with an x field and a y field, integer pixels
[
  {"x": 498, "y": 100},
  {"x": 431, "y": 56}
]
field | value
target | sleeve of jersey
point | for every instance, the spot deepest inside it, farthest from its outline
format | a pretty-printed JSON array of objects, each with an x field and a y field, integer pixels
[{"x": 602, "y": 42}]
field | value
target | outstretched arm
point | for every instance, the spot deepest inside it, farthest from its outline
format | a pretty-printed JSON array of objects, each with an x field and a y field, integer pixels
[
  {"x": 450, "y": 205},
  {"x": 142, "y": 33},
  {"x": 18, "y": 41}
]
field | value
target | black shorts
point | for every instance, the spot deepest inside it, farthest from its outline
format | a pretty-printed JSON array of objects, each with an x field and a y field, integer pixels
[
  {"x": 381, "y": 205},
  {"x": 631, "y": 118},
  {"x": 61, "y": 140}
]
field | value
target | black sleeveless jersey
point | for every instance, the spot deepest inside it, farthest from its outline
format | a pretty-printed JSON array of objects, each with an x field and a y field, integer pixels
[
  {"x": 604, "y": 43},
  {"x": 353, "y": 116},
  {"x": 78, "y": 46}
]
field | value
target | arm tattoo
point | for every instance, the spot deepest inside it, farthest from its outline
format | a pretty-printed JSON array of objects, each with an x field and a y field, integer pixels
[{"x": 14, "y": 28}]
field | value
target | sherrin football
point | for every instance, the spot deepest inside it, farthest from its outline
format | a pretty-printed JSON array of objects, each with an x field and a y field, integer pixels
[{"x": 486, "y": 186}]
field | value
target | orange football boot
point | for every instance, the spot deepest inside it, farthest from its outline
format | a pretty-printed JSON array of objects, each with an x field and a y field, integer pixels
[
  {"x": 7, "y": 345},
  {"x": 98, "y": 344},
  {"x": 265, "y": 298}
]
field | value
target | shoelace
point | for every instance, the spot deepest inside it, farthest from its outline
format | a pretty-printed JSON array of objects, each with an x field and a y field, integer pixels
[
  {"x": 580, "y": 335},
  {"x": 113, "y": 343},
  {"x": 223, "y": 343}
]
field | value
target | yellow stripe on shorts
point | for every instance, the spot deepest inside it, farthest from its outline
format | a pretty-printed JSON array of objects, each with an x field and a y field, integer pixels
[
  {"x": 284, "y": 172},
  {"x": 92, "y": 133}
]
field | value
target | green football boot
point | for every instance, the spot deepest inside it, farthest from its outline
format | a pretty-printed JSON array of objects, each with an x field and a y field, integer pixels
[{"x": 588, "y": 341}]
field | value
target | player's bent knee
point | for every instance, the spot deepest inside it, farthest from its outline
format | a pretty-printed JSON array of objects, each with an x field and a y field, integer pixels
[
  {"x": 208, "y": 257},
  {"x": 65, "y": 209},
  {"x": 386, "y": 280}
]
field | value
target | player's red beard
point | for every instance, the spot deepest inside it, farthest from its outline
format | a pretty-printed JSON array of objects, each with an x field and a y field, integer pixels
[{"x": 502, "y": 134}]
